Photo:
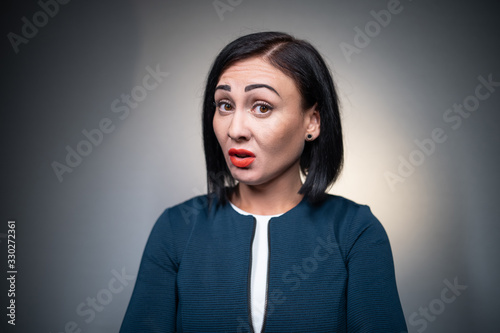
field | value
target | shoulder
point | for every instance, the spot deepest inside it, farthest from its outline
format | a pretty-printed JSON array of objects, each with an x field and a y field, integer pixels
[
  {"x": 187, "y": 211},
  {"x": 352, "y": 222},
  {"x": 344, "y": 210},
  {"x": 172, "y": 229},
  {"x": 338, "y": 203},
  {"x": 182, "y": 216}
]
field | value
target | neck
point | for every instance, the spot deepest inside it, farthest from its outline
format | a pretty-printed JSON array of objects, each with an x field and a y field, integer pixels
[{"x": 276, "y": 197}]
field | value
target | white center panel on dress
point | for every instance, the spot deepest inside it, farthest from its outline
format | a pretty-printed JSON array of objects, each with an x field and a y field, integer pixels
[{"x": 260, "y": 257}]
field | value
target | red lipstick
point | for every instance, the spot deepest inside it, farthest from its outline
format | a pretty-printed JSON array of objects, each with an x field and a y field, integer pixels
[{"x": 241, "y": 157}]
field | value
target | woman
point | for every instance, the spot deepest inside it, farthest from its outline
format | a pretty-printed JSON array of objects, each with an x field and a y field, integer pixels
[{"x": 264, "y": 252}]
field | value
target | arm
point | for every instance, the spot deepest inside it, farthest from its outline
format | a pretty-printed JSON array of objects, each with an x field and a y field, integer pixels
[
  {"x": 372, "y": 298},
  {"x": 152, "y": 307}
]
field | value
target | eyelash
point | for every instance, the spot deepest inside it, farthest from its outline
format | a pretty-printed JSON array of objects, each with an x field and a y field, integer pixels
[{"x": 221, "y": 103}]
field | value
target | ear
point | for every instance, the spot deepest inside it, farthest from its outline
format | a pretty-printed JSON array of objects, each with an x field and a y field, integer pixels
[{"x": 312, "y": 122}]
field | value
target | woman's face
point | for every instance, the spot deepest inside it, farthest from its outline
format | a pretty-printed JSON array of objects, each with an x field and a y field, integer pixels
[{"x": 260, "y": 124}]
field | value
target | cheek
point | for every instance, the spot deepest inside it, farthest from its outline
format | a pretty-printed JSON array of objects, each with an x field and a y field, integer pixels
[
  {"x": 283, "y": 139},
  {"x": 218, "y": 127}
]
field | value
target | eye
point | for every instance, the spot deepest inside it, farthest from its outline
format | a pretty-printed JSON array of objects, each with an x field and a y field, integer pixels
[
  {"x": 262, "y": 109},
  {"x": 224, "y": 106}
]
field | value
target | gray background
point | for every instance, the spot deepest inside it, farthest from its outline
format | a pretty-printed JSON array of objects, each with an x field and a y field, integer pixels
[{"x": 72, "y": 234}]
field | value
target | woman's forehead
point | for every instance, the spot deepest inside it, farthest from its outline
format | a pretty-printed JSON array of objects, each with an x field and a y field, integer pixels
[{"x": 255, "y": 71}]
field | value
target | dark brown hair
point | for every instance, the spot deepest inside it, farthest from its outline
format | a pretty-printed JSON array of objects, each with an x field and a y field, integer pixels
[{"x": 322, "y": 159}]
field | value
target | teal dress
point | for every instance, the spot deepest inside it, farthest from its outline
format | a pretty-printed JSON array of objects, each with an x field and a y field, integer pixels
[{"x": 330, "y": 270}]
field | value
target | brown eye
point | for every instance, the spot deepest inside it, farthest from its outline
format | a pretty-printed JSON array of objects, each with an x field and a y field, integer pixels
[
  {"x": 262, "y": 109},
  {"x": 224, "y": 106}
]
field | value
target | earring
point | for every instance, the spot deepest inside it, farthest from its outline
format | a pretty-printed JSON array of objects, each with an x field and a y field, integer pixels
[{"x": 309, "y": 137}]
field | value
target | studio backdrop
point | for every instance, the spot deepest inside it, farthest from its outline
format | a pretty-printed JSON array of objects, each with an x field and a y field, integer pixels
[{"x": 101, "y": 131}]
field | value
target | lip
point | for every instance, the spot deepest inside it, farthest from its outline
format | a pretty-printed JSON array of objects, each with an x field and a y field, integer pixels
[{"x": 241, "y": 158}]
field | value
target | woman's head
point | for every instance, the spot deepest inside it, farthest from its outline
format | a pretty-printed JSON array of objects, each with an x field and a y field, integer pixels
[{"x": 271, "y": 73}]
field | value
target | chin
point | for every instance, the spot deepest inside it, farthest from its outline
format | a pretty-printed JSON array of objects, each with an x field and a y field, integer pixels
[
  {"x": 251, "y": 180},
  {"x": 246, "y": 177},
  {"x": 247, "y": 180}
]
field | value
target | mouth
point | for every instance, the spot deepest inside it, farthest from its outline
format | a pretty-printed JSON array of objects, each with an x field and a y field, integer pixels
[{"x": 241, "y": 158}]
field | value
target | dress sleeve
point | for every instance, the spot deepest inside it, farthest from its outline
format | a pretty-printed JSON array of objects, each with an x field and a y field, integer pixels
[
  {"x": 152, "y": 307},
  {"x": 373, "y": 303}
]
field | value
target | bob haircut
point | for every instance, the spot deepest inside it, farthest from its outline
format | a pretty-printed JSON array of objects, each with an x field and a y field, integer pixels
[{"x": 322, "y": 159}]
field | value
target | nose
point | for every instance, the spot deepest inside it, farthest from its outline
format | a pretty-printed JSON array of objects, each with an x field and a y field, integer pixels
[{"x": 239, "y": 127}]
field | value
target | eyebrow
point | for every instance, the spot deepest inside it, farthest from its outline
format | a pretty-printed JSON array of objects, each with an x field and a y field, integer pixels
[
  {"x": 260, "y": 85},
  {"x": 249, "y": 87},
  {"x": 224, "y": 87}
]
